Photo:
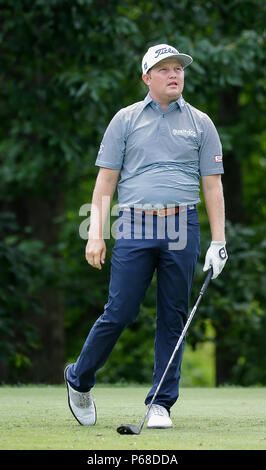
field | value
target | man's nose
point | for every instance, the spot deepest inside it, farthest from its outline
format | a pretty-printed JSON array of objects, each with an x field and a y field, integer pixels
[{"x": 172, "y": 74}]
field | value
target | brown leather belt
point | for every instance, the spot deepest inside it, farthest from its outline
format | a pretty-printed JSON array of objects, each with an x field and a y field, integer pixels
[{"x": 161, "y": 212}]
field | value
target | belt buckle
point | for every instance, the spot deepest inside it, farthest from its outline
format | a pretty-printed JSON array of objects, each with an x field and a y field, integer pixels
[{"x": 160, "y": 214}]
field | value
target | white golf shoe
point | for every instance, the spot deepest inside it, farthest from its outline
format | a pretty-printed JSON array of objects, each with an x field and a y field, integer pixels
[
  {"x": 81, "y": 404},
  {"x": 159, "y": 417}
]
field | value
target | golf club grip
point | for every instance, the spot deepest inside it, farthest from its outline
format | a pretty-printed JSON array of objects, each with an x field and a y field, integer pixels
[{"x": 207, "y": 280}]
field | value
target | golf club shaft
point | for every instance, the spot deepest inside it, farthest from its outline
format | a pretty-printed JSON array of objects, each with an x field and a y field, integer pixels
[{"x": 204, "y": 287}]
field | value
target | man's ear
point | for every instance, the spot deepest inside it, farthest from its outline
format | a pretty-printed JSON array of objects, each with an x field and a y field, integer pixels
[{"x": 146, "y": 78}]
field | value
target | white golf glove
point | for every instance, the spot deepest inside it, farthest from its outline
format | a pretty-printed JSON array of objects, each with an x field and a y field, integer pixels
[{"x": 216, "y": 258}]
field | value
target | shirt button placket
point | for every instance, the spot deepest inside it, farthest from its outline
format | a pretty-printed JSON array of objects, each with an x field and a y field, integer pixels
[{"x": 163, "y": 125}]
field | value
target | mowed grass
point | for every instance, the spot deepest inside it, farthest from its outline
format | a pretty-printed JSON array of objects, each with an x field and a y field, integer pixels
[{"x": 38, "y": 417}]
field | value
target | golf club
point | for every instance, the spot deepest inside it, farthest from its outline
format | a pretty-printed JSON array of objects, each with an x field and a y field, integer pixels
[{"x": 131, "y": 429}]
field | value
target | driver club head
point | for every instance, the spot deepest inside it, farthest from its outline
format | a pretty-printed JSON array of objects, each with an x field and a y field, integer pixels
[{"x": 128, "y": 429}]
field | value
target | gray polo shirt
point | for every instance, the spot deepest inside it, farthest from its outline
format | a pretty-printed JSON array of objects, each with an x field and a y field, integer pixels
[{"x": 161, "y": 155}]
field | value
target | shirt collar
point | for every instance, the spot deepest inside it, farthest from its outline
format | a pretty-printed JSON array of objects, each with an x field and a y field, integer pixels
[{"x": 180, "y": 102}]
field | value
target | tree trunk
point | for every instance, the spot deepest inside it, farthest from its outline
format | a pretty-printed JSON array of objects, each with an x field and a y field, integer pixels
[
  {"x": 225, "y": 357},
  {"x": 40, "y": 214},
  {"x": 48, "y": 362},
  {"x": 234, "y": 212}
]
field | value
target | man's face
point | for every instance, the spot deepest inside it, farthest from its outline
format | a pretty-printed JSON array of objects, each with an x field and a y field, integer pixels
[{"x": 165, "y": 81}]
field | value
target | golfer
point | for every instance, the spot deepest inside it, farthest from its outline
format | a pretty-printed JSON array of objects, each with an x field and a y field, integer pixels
[{"x": 156, "y": 151}]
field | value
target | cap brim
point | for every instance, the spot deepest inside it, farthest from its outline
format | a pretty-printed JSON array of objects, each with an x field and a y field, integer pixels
[{"x": 184, "y": 59}]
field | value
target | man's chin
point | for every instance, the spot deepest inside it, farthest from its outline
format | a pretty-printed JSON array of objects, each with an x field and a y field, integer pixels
[{"x": 173, "y": 95}]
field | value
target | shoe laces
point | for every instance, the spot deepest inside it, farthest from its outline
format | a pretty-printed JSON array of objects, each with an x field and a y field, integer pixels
[
  {"x": 158, "y": 410},
  {"x": 84, "y": 400}
]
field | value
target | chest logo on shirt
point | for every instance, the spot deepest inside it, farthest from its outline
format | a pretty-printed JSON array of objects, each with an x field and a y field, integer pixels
[{"x": 184, "y": 132}]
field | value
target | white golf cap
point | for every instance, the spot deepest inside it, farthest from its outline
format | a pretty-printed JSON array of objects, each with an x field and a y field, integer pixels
[{"x": 160, "y": 52}]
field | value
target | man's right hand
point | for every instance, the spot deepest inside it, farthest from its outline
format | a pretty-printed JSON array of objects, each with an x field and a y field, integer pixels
[{"x": 95, "y": 252}]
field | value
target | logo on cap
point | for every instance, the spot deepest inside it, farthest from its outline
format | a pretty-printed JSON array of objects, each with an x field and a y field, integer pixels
[
  {"x": 145, "y": 66},
  {"x": 165, "y": 50}
]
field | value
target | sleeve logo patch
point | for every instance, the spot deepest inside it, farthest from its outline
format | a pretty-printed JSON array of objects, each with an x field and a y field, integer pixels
[
  {"x": 218, "y": 158},
  {"x": 101, "y": 149}
]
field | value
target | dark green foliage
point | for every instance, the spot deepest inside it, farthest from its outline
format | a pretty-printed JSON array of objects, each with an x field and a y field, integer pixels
[
  {"x": 235, "y": 304},
  {"x": 66, "y": 68},
  {"x": 18, "y": 336}
]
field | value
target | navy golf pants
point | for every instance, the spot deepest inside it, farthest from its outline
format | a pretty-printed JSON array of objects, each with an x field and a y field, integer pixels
[{"x": 134, "y": 261}]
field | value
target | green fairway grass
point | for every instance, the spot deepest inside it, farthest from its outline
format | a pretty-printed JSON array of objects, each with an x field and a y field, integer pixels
[{"x": 38, "y": 417}]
